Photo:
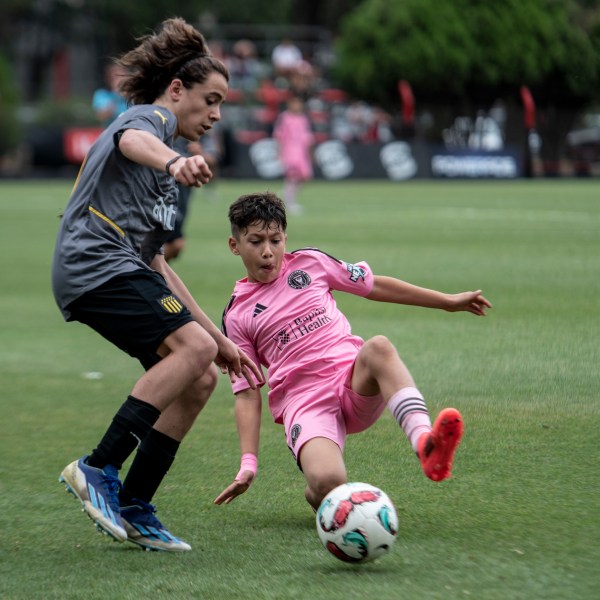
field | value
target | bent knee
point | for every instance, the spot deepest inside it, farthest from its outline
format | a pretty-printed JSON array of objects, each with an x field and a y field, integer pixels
[
  {"x": 200, "y": 349},
  {"x": 379, "y": 347}
]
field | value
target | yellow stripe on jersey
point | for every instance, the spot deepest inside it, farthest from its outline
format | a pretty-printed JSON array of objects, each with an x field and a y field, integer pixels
[
  {"x": 105, "y": 218},
  {"x": 79, "y": 174},
  {"x": 171, "y": 304}
]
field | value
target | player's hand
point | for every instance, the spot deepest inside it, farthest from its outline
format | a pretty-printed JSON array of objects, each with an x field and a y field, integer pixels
[
  {"x": 192, "y": 171},
  {"x": 235, "y": 362},
  {"x": 472, "y": 302},
  {"x": 238, "y": 487}
]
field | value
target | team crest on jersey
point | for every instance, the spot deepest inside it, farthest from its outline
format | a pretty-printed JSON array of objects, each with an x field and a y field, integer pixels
[
  {"x": 295, "y": 434},
  {"x": 299, "y": 280},
  {"x": 356, "y": 273},
  {"x": 171, "y": 304}
]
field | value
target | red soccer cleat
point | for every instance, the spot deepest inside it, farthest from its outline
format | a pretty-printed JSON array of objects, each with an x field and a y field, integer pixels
[{"x": 436, "y": 449}]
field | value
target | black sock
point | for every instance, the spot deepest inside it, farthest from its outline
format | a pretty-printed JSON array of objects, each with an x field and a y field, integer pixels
[
  {"x": 149, "y": 467},
  {"x": 129, "y": 427}
]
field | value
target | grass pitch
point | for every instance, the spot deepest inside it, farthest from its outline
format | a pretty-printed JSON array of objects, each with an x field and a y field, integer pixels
[{"x": 518, "y": 520}]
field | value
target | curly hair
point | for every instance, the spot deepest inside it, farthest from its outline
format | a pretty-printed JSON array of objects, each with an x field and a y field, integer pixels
[
  {"x": 176, "y": 51},
  {"x": 262, "y": 207}
]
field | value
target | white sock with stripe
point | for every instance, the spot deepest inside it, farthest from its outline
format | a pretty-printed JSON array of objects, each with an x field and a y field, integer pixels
[{"x": 410, "y": 411}]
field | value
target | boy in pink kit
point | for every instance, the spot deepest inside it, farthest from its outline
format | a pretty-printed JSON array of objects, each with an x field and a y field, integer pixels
[
  {"x": 324, "y": 382},
  {"x": 295, "y": 139}
]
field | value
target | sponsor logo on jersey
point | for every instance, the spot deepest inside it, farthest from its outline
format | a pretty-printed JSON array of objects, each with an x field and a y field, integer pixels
[
  {"x": 299, "y": 280},
  {"x": 284, "y": 337},
  {"x": 165, "y": 214},
  {"x": 258, "y": 308},
  {"x": 171, "y": 304},
  {"x": 295, "y": 434},
  {"x": 302, "y": 326},
  {"x": 356, "y": 273}
]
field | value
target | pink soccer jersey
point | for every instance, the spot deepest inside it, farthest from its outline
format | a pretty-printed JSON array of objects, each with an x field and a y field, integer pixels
[{"x": 292, "y": 326}]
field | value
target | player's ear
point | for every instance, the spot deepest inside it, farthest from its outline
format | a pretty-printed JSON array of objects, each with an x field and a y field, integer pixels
[
  {"x": 233, "y": 246},
  {"x": 176, "y": 88}
]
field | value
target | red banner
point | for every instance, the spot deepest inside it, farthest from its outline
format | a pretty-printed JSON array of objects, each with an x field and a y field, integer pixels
[{"x": 77, "y": 142}]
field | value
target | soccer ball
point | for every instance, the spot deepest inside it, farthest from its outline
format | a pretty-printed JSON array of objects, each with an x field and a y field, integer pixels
[{"x": 357, "y": 522}]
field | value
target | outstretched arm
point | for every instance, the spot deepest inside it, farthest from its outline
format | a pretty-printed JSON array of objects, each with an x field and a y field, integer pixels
[
  {"x": 248, "y": 404},
  {"x": 389, "y": 289}
]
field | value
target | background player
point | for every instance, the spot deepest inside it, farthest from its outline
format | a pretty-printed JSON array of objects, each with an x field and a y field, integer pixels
[
  {"x": 324, "y": 382},
  {"x": 295, "y": 140}
]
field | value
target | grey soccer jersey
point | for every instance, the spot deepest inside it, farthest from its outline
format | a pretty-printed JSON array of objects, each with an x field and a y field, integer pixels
[{"x": 119, "y": 214}]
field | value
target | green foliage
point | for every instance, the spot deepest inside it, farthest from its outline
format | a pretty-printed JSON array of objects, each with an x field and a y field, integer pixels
[
  {"x": 519, "y": 518},
  {"x": 465, "y": 48},
  {"x": 75, "y": 112}
]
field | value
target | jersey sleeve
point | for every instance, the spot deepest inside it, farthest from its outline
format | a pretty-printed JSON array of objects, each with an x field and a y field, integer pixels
[
  {"x": 155, "y": 120},
  {"x": 353, "y": 278},
  {"x": 233, "y": 330}
]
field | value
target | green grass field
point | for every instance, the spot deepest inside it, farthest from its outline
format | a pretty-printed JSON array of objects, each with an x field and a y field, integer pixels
[{"x": 520, "y": 519}]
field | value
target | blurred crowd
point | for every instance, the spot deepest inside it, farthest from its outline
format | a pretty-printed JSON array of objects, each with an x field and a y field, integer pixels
[{"x": 262, "y": 86}]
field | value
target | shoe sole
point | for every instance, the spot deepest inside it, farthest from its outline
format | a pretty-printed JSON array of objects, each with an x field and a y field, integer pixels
[
  {"x": 447, "y": 433},
  {"x": 148, "y": 547},
  {"x": 92, "y": 512}
]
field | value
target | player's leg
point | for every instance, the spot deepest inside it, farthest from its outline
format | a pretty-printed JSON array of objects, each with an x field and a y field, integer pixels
[
  {"x": 162, "y": 384},
  {"x": 379, "y": 369},
  {"x": 323, "y": 466},
  {"x": 152, "y": 462},
  {"x": 157, "y": 450},
  {"x": 188, "y": 353}
]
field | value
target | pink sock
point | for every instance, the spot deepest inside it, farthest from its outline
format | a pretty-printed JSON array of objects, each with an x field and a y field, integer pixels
[{"x": 410, "y": 411}]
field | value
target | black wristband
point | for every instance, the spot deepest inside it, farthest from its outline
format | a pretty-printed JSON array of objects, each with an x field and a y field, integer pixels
[{"x": 170, "y": 162}]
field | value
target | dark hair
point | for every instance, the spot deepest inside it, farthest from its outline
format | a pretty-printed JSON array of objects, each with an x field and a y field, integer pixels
[
  {"x": 176, "y": 51},
  {"x": 261, "y": 207}
]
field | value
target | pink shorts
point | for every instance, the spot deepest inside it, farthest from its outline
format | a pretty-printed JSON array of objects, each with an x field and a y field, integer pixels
[{"x": 332, "y": 410}]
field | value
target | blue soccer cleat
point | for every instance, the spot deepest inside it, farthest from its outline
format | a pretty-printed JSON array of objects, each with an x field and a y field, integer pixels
[
  {"x": 145, "y": 530},
  {"x": 97, "y": 490}
]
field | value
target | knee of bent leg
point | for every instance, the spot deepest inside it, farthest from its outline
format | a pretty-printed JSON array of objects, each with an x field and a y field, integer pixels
[
  {"x": 202, "y": 350},
  {"x": 379, "y": 348}
]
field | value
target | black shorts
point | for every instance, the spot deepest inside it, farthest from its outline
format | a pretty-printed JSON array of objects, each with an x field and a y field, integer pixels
[{"x": 135, "y": 311}]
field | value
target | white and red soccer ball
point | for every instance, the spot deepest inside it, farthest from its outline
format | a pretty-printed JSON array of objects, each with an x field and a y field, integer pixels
[{"x": 357, "y": 522}]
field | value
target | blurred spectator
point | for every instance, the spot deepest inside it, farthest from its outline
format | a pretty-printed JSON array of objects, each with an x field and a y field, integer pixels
[
  {"x": 244, "y": 67},
  {"x": 218, "y": 51},
  {"x": 295, "y": 139},
  {"x": 302, "y": 80},
  {"x": 286, "y": 58},
  {"x": 358, "y": 117},
  {"x": 379, "y": 127},
  {"x": 107, "y": 102},
  {"x": 273, "y": 99}
]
